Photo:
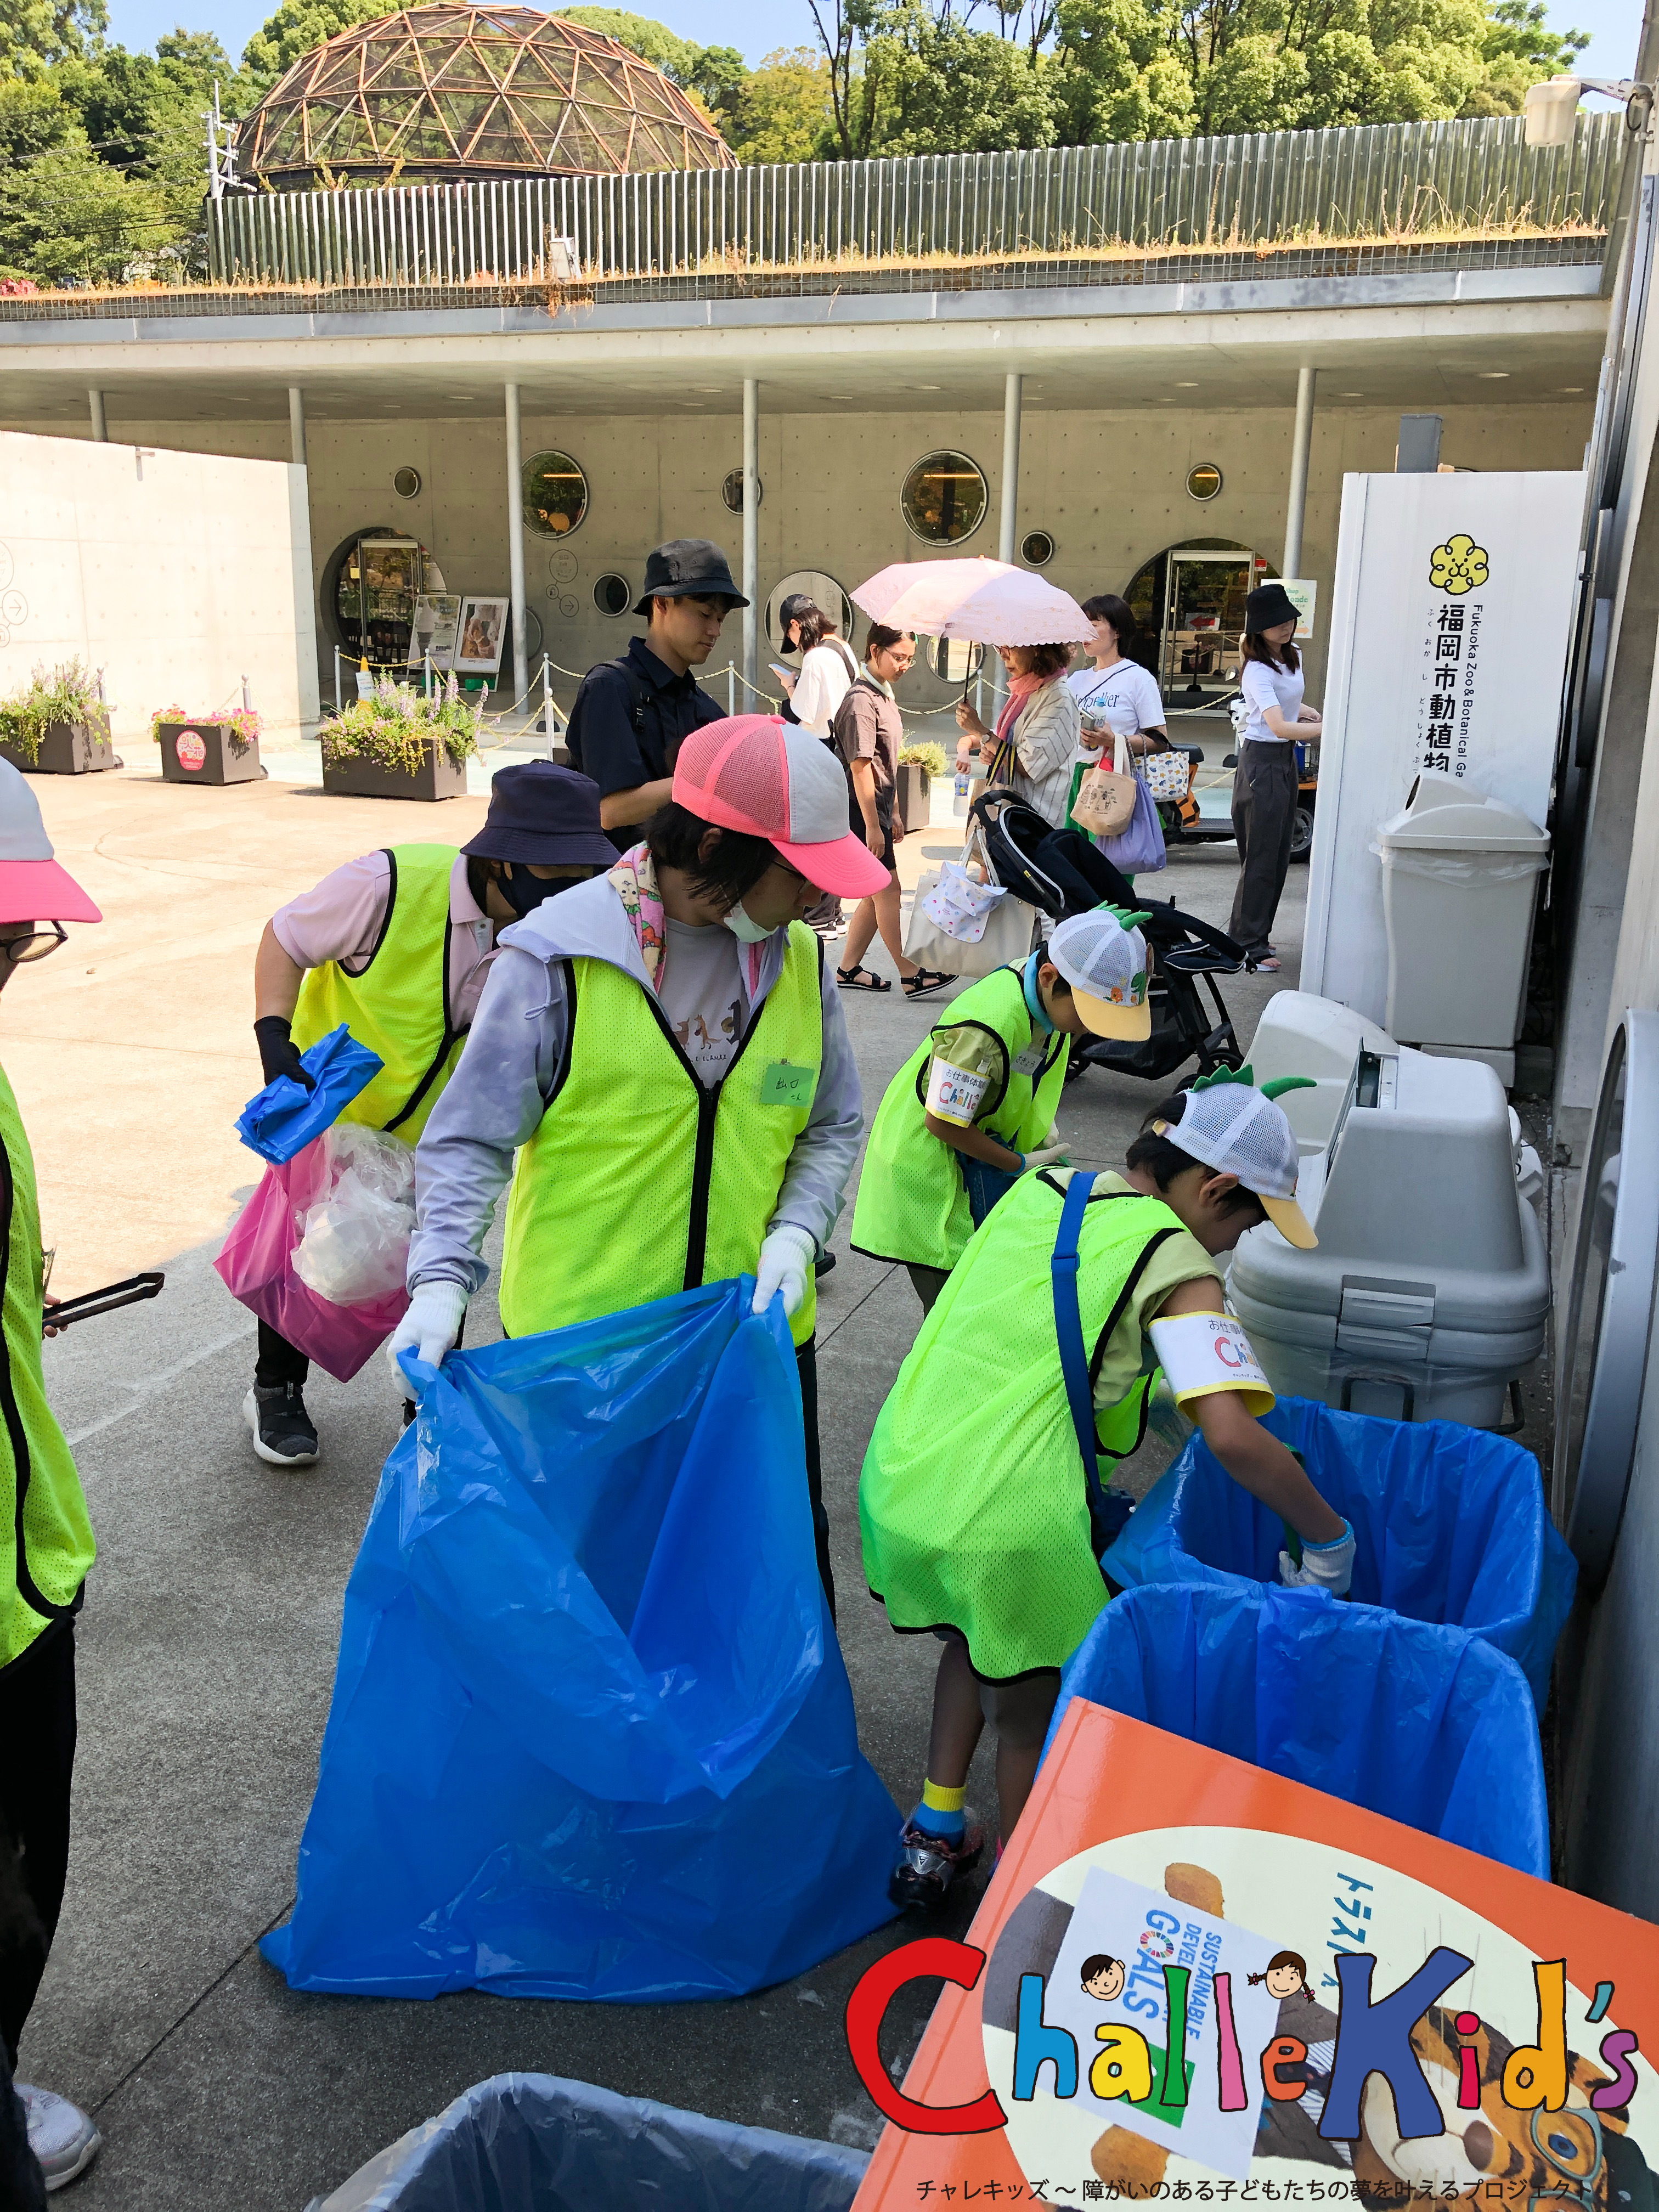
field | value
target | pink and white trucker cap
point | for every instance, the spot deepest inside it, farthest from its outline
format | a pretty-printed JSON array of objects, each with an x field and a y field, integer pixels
[
  {"x": 32, "y": 886},
  {"x": 763, "y": 777}
]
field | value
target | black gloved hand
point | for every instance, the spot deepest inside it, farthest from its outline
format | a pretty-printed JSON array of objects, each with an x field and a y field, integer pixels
[{"x": 278, "y": 1054}]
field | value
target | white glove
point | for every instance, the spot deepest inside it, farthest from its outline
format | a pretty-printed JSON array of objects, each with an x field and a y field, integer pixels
[
  {"x": 1051, "y": 1155},
  {"x": 427, "y": 1329},
  {"x": 786, "y": 1255},
  {"x": 1324, "y": 1566}
]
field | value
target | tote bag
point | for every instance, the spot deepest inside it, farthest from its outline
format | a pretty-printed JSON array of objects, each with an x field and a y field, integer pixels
[
  {"x": 1139, "y": 850},
  {"x": 1104, "y": 803},
  {"x": 1007, "y": 935}
]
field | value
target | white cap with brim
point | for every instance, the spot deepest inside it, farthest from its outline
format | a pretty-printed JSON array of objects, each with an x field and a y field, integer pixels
[
  {"x": 1103, "y": 956},
  {"x": 33, "y": 887},
  {"x": 1236, "y": 1129}
]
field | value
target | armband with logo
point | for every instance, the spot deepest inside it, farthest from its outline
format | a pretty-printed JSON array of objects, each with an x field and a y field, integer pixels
[
  {"x": 955, "y": 1094},
  {"x": 1203, "y": 1353}
]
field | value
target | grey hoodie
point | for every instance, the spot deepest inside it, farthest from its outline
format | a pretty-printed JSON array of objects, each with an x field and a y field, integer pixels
[{"x": 495, "y": 1099}]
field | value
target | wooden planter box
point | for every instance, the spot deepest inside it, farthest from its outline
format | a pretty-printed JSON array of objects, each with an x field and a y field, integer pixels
[
  {"x": 437, "y": 777},
  {"x": 66, "y": 749},
  {"x": 203, "y": 752},
  {"x": 913, "y": 797}
]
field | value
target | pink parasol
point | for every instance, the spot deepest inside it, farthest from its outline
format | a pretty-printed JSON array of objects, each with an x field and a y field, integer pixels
[{"x": 987, "y": 601}]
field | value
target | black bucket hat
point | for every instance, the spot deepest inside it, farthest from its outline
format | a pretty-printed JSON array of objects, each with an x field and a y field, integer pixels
[
  {"x": 1268, "y": 605},
  {"x": 688, "y": 568},
  {"x": 545, "y": 816}
]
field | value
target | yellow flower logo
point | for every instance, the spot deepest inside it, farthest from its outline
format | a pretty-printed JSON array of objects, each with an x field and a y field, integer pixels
[{"x": 1458, "y": 565}]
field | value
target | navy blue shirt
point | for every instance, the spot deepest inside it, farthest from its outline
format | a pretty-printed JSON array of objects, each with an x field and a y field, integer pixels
[{"x": 627, "y": 723}]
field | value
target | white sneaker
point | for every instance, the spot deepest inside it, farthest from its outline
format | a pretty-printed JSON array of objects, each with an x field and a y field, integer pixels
[{"x": 61, "y": 2135}]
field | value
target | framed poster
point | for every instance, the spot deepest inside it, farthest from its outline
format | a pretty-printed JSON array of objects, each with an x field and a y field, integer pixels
[
  {"x": 482, "y": 626},
  {"x": 436, "y": 629},
  {"x": 1192, "y": 1980}
]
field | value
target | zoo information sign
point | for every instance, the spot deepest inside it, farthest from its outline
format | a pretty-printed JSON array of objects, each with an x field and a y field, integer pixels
[
  {"x": 1192, "y": 1982},
  {"x": 1449, "y": 639}
]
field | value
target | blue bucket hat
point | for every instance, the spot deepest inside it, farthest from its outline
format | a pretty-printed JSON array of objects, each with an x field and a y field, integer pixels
[{"x": 544, "y": 816}]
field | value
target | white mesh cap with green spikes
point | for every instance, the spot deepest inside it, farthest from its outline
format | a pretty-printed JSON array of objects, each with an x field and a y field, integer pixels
[{"x": 1231, "y": 1126}]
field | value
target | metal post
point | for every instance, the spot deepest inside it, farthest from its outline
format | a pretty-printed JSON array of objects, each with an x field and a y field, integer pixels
[
  {"x": 1301, "y": 447},
  {"x": 547, "y": 699},
  {"x": 731, "y": 688},
  {"x": 100, "y": 426},
  {"x": 515, "y": 541},
  {"x": 338, "y": 702},
  {"x": 297, "y": 425},
  {"x": 1010, "y": 521},
  {"x": 750, "y": 527}
]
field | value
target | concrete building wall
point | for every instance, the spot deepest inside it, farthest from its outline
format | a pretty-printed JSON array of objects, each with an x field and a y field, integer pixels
[
  {"x": 177, "y": 573},
  {"x": 1109, "y": 487}
]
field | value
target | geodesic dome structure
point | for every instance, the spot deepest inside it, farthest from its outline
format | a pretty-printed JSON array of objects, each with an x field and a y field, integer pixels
[{"x": 436, "y": 93}]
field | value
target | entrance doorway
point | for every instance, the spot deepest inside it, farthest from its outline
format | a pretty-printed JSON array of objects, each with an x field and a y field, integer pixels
[{"x": 1188, "y": 603}]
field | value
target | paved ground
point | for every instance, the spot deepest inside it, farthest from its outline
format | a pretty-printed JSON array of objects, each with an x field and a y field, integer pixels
[{"x": 207, "y": 1645}]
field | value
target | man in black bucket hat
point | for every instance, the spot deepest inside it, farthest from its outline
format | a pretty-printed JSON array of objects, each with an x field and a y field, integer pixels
[
  {"x": 630, "y": 714},
  {"x": 398, "y": 944}
]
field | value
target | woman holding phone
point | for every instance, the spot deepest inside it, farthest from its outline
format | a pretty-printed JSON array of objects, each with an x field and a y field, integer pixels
[{"x": 1116, "y": 696}]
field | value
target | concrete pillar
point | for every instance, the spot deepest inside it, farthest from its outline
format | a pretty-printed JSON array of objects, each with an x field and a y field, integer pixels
[
  {"x": 297, "y": 425},
  {"x": 515, "y": 543},
  {"x": 750, "y": 537},
  {"x": 1010, "y": 522},
  {"x": 1301, "y": 447},
  {"x": 100, "y": 427}
]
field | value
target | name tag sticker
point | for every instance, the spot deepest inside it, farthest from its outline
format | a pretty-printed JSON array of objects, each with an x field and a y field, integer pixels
[
  {"x": 1030, "y": 1060},
  {"x": 785, "y": 1084}
]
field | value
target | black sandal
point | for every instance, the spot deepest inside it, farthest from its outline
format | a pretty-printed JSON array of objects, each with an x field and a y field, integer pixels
[
  {"x": 925, "y": 981},
  {"x": 861, "y": 978}
]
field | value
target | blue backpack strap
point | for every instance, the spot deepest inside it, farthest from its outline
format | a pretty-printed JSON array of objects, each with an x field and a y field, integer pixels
[{"x": 1068, "y": 1327}]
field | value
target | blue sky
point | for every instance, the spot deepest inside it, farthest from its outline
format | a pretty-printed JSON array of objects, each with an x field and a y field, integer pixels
[{"x": 758, "y": 26}]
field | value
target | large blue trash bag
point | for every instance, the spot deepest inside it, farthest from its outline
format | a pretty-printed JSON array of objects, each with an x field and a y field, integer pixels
[
  {"x": 592, "y": 1735},
  {"x": 282, "y": 1120},
  {"x": 1427, "y": 1725},
  {"x": 1450, "y": 1525},
  {"x": 532, "y": 2142}
]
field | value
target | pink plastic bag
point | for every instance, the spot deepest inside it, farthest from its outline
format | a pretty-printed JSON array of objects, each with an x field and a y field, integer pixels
[{"x": 257, "y": 1266}]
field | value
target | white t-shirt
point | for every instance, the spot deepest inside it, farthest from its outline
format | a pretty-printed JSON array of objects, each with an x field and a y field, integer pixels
[
  {"x": 826, "y": 677},
  {"x": 1123, "y": 698},
  {"x": 1262, "y": 686},
  {"x": 704, "y": 1000}
]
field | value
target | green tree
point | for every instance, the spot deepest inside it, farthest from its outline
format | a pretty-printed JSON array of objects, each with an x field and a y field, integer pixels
[
  {"x": 65, "y": 216},
  {"x": 1521, "y": 48},
  {"x": 294, "y": 29},
  {"x": 780, "y": 111},
  {"x": 35, "y": 33}
]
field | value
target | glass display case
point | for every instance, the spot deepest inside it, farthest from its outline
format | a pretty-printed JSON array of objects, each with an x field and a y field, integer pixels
[
  {"x": 380, "y": 579},
  {"x": 1203, "y": 626}
]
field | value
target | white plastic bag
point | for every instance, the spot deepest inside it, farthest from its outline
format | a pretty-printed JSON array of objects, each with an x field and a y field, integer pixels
[{"x": 354, "y": 1241}]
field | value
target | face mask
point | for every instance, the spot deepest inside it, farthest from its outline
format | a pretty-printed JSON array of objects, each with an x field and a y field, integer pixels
[
  {"x": 744, "y": 927},
  {"x": 524, "y": 892}
]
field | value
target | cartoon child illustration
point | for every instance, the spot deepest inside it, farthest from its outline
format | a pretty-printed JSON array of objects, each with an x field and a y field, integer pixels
[
  {"x": 1287, "y": 1975},
  {"x": 1102, "y": 1976}
]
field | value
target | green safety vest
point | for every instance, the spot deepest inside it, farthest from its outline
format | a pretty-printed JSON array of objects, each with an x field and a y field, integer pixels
[
  {"x": 912, "y": 1202},
  {"x": 398, "y": 1006},
  {"x": 46, "y": 1537},
  {"x": 973, "y": 1503},
  {"x": 639, "y": 1183}
]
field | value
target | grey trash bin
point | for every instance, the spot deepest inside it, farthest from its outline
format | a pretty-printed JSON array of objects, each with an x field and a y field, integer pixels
[
  {"x": 1460, "y": 877},
  {"x": 533, "y": 2142}
]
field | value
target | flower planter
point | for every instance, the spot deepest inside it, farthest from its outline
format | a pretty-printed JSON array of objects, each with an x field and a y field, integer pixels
[
  {"x": 204, "y": 752},
  {"x": 66, "y": 749},
  {"x": 356, "y": 776},
  {"x": 914, "y": 802}
]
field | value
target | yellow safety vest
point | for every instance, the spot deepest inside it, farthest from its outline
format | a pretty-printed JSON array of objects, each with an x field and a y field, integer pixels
[
  {"x": 398, "y": 1006},
  {"x": 639, "y": 1182},
  {"x": 45, "y": 1539}
]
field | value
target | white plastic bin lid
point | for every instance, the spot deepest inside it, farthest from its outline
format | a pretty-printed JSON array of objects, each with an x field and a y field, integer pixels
[{"x": 1442, "y": 817}]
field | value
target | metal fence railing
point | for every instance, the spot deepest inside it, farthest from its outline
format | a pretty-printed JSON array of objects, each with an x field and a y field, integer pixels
[{"x": 1399, "y": 182}]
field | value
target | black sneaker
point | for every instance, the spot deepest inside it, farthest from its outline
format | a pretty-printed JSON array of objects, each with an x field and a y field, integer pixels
[
  {"x": 283, "y": 1433},
  {"x": 927, "y": 1865}
]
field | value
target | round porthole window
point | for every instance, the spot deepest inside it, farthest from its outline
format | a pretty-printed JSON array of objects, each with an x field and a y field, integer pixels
[
  {"x": 612, "y": 595},
  {"x": 731, "y": 490},
  {"x": 555, "y": 494},
  {"x": 1203, "y": 482},
  {"x": 406, "y": 483},
  {"x": 957, "y": 659},
  {"x": 1036, "y": 548},
  {"x": 943, "y": 498}
]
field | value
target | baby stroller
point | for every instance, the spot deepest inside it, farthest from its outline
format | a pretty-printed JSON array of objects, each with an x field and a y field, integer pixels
[{"x": 1062, "y": 873}]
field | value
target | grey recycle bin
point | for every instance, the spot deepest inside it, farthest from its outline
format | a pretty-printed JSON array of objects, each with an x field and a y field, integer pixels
[{"x": 1459, "y": 877}]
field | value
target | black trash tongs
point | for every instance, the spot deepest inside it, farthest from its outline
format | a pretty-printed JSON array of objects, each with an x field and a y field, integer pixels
[{"x": 89, "y": 1303}]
